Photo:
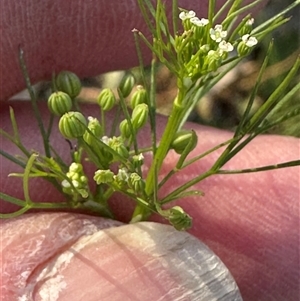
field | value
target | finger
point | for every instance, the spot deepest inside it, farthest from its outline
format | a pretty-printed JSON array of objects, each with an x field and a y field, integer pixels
[
  {"x": 251, "y": 221},
  {"x": 87, "y": 38},
  {"x": 64, "y": 256}
]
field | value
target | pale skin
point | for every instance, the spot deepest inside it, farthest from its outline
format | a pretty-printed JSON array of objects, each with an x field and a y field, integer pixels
[{"x": 250, "y": 221}]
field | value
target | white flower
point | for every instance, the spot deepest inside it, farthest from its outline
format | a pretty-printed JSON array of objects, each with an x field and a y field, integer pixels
[
  {"x": 75, "y": 183},
  {"x": 75, "y": 167},
  {"x": 187, "y": 15},
  {"x": 123, "y": 174},
  {"x": 217, "y": 33},
  {"x": 138, "y": 157},
  {"x": 249, "y": 41},
  {"x": 105, "y": 140},
  {"x": 225, "y": 46},
  {"x": 65, "y": 184},
  {"x": 250, "y": 22},
  {"x": 196, "y": 21},
  {"x": 91, "y": 119}
]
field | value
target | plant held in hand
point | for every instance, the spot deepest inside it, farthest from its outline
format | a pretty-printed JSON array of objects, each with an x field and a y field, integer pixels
[{"x": 199, "y": 52}]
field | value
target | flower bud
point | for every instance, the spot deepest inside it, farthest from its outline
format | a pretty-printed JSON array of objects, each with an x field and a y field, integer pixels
[
  {"x": 137, "y": 160},
  {"x": 179, "y": 219},
  {"x": 121, "y": 179},
  {"x": 138, "y": 97},
  {"x": 213, "y": 60},
  {"x": 59, "y": 103},
  {"x": 78, "y": 179},
  {"x": 106, "y": 99},
  {"x": 243, "y": 49},
  {"x": 184, "y": 140},
  {"x": 139, "y": 116},
  {"x": 69, "y": 83},
  {"x": 94, "y": 127},
  {"x": 124, "y": 129},
  {"x": 246, "y": 45},
  {"x": 136, "y": 183},
  {"x": 116, "y": 143},
  {"x": 72, "y": 125},
  {"x": 247, "y": 27},
  {"x": 103, "y": 176},
  {"x": 127, "y": 84}
]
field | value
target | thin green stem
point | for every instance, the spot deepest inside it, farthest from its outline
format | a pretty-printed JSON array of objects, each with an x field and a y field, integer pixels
[
  {"x": 222, "y": 10},
  {"x": 175, "y": 13},
  {"x": 257, "y": 169},
  {"x": 15, "y": 214},
  {"x": 12, "y": 158},
  {"x": 115, "y": 122},
  {"x": 263, "y": 111},
  {"x": 49, "y": 130},
  {"x": 152, "y": 106},
  {"x": 184, "y": 187},
  {"x": 127, "y": 116},
  {"x": 245, "y": 118},
  {"x": 268, "y": 23},
  {"x": 237, "y": 12},
  {"x": 164, "y": 146},
  {"x": 145, "y": 15},
  {"x": 192, "y": 161},
  {"x": 7, "y": 198},
  {"x": 34, "y": 104},
  {"x": 102, "y": 120},
  {"x": 26, "y": 177},
  {"x": 151, "y": 97},
  {"x": 211, "y": 12}
]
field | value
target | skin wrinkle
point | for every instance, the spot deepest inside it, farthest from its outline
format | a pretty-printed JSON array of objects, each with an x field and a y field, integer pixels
[
  {"x": 130, "y": 240},
  {"x": 134, "y": 260},
  {"x": 106, "y": 275},
  {"x": 101, "y": 272},
  {"x": 43, "y": 254}
]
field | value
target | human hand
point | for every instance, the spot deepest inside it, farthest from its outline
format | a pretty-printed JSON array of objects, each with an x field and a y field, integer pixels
[{"x": 250, "y": 221}]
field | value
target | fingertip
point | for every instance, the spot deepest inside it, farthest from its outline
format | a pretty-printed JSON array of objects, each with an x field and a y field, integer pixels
[{"x": 72, "y": 257}]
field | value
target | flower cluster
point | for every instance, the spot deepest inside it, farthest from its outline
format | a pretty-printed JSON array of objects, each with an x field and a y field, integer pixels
[
  {"x": 202, "y": 48},
  {"x": 76, "y": 184},
  {"x": 124, "y": 180}
]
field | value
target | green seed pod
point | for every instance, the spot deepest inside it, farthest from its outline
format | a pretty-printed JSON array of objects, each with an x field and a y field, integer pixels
[
  {"x": 59, "y": 103},
  {"x": 106, "y": 99},
  {"x": 127, "y": 84},
  {"x": 179, "y": 219},
  {"x": 69, "y": 83},
  {"x": 103, "y": 176},
  {"x": 72, "y": 125},
  {"x": 124, "y": 129},
  {"x": 184, "y": 140},
  {"x": 139, "y": 116},
  {"x": 138, "y": 97}
]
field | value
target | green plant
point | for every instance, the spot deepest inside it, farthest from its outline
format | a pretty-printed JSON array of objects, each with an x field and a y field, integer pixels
[{"x": 199, "y": 53}]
